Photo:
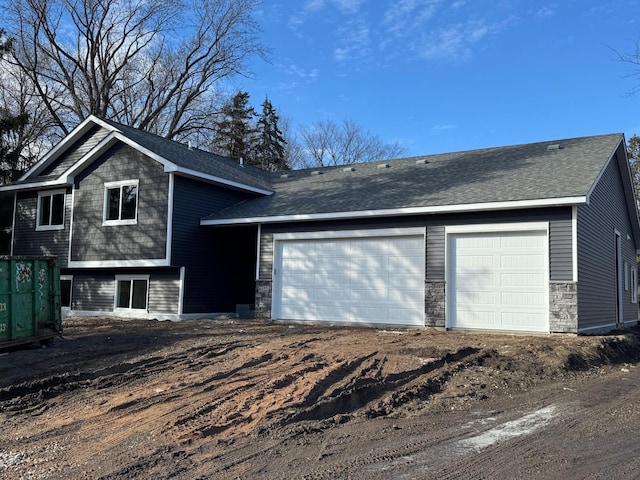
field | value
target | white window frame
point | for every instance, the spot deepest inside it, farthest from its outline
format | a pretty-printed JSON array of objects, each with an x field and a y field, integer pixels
[
  {"x": 70, "y": 279},
  {"x": 111, "y": 185},
  {"x": 129, "y": 278},
  {"x": 634, "y": 285},
  {"x": 50, "y": 193}
]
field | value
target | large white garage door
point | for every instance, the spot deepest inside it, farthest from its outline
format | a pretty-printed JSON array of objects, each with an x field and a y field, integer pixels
[
  {"x": 359, "y": 280},
  {"x": 498, "y": 281}
]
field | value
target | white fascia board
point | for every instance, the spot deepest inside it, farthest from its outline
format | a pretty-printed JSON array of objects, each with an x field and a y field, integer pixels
[
  {"x": 59, "y": 182},
  {"x": 394, "y": 212},
  {"x": 212, "y": 178},
  {"x": 118, "y": 263},
  {"x": 380, "y": 232},
  {"x": 62, "y": 146}
]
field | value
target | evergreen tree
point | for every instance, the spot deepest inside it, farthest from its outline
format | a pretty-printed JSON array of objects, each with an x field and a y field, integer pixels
[
  {"x": 234, "y": 132},
  {"x": 10, "y": 125},
  {"x": 270, "y": 143}
]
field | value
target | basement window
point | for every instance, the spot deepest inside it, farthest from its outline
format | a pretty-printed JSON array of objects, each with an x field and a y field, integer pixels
[
  {"x": 121, "y": 203},
  {"x": 131, "y": 292},
  {"x": 50, "y": 210}
]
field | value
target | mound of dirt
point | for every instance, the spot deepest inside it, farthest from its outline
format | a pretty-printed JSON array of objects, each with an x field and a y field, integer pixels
[{"x": 127, "y": 399}]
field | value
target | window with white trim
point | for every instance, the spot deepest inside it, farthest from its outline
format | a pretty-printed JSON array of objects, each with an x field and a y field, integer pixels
[
  {"x": 66, "y": 287},
  {"x": 131, "y": 292},
  {"x": 50, "y": 210},
  {"x": 121, "y": 203},
  {"x": 634, "y": 285}
]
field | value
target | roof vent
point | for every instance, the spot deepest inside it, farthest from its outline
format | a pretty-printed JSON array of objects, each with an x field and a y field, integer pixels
[
  {"x": 316, "y": 172},
  {"x": 383, "y": 165},
  {"x": 422, "y": 161},
  {"x": 349, "y": 169},
  {"x": 554, "y": 146}
]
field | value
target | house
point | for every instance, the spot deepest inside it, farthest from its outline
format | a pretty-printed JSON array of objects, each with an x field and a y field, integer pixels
[{"x": 537, "y": 238}]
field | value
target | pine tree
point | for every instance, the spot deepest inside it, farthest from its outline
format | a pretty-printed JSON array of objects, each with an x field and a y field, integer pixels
[
  {"x": 269, "y": 151},
  {"x": 10, "y": 124},
  {"x": 235, "y": 131}
]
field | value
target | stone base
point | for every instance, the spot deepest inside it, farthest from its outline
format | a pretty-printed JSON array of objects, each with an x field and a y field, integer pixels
[
  {"x": 563, "y": 307},
  {"x": 263, "y": 298},
  {"x": 435, "y": 304}
]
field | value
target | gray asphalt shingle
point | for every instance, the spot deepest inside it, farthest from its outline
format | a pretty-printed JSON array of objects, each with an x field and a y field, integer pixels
[{"x": 513, "y": 173}]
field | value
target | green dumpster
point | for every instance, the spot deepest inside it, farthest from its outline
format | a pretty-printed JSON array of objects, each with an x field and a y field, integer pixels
[{"x": 29, "y": 300}]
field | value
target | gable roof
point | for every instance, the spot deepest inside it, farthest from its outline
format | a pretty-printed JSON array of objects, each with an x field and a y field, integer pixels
[
  {"x": 174, "y": 156},
  {"x": 560, "y": 172}
]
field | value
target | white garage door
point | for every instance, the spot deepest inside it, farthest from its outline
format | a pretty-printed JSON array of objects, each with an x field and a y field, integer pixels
[
  {"x": 498, "y": 281},
  {"x": 359, "y": 280}
]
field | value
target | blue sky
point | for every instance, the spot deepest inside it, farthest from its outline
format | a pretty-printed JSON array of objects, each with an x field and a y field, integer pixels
[{"x": 449, "y": 75}]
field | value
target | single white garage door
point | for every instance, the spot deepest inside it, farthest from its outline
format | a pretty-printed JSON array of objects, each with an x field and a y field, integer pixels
[
  {"x": 498, "y": 281},
  {"x": 354, "y": 280}
]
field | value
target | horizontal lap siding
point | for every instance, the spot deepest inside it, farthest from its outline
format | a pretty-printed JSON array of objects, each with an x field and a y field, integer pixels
[
  {"x": 435, "y": 253},
  {"x": 146, "y": 240},
  {"x": 219, "y": 261},
  {"x": 560, "y": 251},
  {"x": 28, "y": 241},
  {"x": 164, "y": 291},
  {"x": 605, "y": 212},
  {"x": 94, "y": 290}
]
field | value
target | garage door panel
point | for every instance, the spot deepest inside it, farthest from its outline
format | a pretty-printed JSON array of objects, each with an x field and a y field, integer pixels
[
  {"x": 368, "y": 280},
  {"x": 498, "y": 280}
]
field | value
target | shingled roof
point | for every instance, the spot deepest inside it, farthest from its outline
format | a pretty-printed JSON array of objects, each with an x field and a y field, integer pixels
[{"x": 546, "y": 173}]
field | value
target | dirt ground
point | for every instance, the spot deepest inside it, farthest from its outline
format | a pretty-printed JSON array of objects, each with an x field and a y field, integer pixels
[{"x": 252, "y": 399}]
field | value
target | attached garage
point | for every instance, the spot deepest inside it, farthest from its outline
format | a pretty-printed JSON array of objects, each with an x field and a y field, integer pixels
[
  {"x": 367, "y": 277},
  {"x": 497, "y": 278}
]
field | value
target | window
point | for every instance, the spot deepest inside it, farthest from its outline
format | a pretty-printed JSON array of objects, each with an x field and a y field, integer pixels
[
  {"x": 66, "y": 282},
  {"x": 50, "y": 210},
  {"x": 121, "y": 203},
  {"x": 131, "y": 292},
  {"x": 626, "y": 276},
  {"x": 634, "y": 285}
]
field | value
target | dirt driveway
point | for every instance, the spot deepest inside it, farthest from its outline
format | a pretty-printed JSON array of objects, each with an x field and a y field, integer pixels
[{"x": 249, "y": 399}]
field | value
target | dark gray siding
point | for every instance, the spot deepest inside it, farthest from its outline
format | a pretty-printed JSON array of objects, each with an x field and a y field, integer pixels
[
  {"x": 91, "y": 241},
  {"x": 164, "y": 291},
  {"x": 93, "y": 290},
  {"x": 560, "y": 251},
  {"x": 597, "y": 221},
  {"x": 27, "y": 241},
  {"x": 435, "y": 253},
  {"x": 558, "y": 218},
  {"x": 266, "y": 256},
  {"x": 77, "y": 151},
  {"x": 219, "y": 262}
]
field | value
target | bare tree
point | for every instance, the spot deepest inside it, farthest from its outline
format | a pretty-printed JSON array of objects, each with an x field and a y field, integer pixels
[
  {"x": 148, "y": 64},
  {"x": 327, "y": 143}
]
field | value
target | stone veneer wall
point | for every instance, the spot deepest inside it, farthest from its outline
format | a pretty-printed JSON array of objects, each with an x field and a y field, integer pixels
[
  {"x": 263, "y": 298},
  {"x": 435, "y": 304},
  {"x": 563, "y": 307}
]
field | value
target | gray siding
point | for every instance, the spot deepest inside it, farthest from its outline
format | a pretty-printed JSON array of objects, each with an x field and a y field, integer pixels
[
  {"x": 560, "y": 251},
  {"x": 76, "y": 151},
  {"x": 266, "y": 256},
  {"x": 219, "y": 262},
  {"x": 597, "y": 221},
  {"x": 28, "y": 241},
  {"x": 94, "y": 290},
  {"x": 91, "y": 241},
  {"x": 164, "y": 291},
  {"x": 435, "y": 253}
]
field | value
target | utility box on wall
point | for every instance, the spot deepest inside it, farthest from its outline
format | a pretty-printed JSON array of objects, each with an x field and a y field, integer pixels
[{"x": 29, "y": 300}]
